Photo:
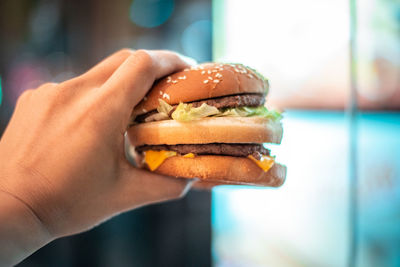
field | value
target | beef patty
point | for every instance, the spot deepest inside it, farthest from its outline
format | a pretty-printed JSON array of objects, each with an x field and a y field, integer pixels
[
  {"x": 248, "y": 100},
  {"x": 236, "y": 150}
]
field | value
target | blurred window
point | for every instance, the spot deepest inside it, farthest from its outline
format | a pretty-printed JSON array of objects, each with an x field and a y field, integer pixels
[{"x": 302, "y": 46}]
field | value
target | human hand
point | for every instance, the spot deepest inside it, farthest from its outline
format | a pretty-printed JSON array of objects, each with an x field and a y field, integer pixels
[{"x": 62, "y": 154}]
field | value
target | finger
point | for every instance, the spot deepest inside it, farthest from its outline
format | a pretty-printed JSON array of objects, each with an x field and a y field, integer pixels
[
  {"x": 205, "y": 185},
  {"x": 131, "y": 81},
  {"x": 136, "y": 187},
  {"x": 188, "y": 60},
  {"x": 100, "y": 73}
]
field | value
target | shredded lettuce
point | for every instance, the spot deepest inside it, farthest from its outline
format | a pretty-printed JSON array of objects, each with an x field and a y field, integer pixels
[
  {"x": 164, "y": 107},
  {"x": 186, "y": 112},
  {"x": 250, "y": 112}
]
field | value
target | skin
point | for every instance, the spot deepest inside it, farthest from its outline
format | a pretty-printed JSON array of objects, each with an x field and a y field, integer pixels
[{"x": 62, "y": 163}]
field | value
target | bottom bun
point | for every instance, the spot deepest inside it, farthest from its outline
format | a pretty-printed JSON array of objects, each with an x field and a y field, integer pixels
[
  {"x": 223, "y": 170},
  {"x": 202, "y": 185}
]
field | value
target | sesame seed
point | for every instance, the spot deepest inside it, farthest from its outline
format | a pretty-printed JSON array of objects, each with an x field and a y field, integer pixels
[
  {"x": 182, "y": 77},
  {"x": 169, "y": 78},
  {"x": 161, "y": 92},
  {"x": 209, "y": 77},
  {"x": 144, "y": 110},
  {"x": 205, "y": 81},
  {"x": 186, "y": 69},
  {"x": 236, "y": 70},
  {"x": 216, "y": 81},
  {"x": 168, "y": 81},
  {"x": 203, "y": 72},
  {"x": 209, "y": 71},
  {"x": 250, "y": 76},
  {"x": 174, "y": 81},
  {"x": 165, "y": 95},
  {"x": 218, "y": 75}
]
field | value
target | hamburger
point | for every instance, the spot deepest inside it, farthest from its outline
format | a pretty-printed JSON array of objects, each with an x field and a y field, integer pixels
[{"x": 209, "y": 122}]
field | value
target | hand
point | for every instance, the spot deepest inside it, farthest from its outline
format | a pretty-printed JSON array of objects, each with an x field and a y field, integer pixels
[{"x": 62, "y": 154}]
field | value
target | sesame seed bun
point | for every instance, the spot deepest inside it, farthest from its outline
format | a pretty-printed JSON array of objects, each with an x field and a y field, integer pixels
[
  {"x": 202, "y": 82},
  {"x": 222, "y": 170},
  {"x": 207, "y": 130}
]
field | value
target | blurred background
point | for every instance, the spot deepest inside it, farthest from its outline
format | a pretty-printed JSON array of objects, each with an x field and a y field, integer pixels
[{"x": 303, "y": 48}]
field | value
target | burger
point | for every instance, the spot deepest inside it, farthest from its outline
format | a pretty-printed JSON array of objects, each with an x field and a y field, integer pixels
[{"x": 209, "y": 122}]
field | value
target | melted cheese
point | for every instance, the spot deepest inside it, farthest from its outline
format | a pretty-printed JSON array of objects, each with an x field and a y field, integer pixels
[
  {"x": 189, "y": 155},
  {"x": 154, "y": 159},
  {"x": 265, "y": 163}
]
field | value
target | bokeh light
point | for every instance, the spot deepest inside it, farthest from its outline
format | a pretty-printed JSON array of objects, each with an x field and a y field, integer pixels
[
  {"x": 26, "y": 73},
  {"x": 196, "y": 40},
  {"x": 150, "y": 41},
  {"x": 43, "y": 22},
  {"x": 151, "y": 13}
]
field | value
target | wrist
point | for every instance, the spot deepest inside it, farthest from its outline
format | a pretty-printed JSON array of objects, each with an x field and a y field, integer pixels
[{"x": 21, "y": 231}]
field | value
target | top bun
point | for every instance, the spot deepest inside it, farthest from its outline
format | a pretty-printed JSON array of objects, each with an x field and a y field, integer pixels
[{"x": 203, "y": 81}]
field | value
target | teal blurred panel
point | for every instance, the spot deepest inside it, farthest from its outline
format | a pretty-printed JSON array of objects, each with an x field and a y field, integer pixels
[
  {"x": 379, "y": 173},
  {"x": 305, "y": 222}
]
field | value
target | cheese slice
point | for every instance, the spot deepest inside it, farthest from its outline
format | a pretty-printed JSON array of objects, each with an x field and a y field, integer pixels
[
  {"x": 265, "y": 163},
  {"x": 189, "y": 155},
  {"x": 154, "y": 159}
]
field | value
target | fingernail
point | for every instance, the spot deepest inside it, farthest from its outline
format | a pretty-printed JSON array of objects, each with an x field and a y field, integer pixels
[
  {"x": 190, "y": 183},
  {"x": 187, "y": 188},
  {"x": 188, "y": 60}
]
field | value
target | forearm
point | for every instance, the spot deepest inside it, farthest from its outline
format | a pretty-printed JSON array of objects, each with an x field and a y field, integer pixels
[{"x": 21, "y": 232}]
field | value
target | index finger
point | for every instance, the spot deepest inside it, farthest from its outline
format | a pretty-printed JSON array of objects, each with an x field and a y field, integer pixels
[
  {"x": 131, "y": 81},
  {"x": 100, "y": 73}
]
